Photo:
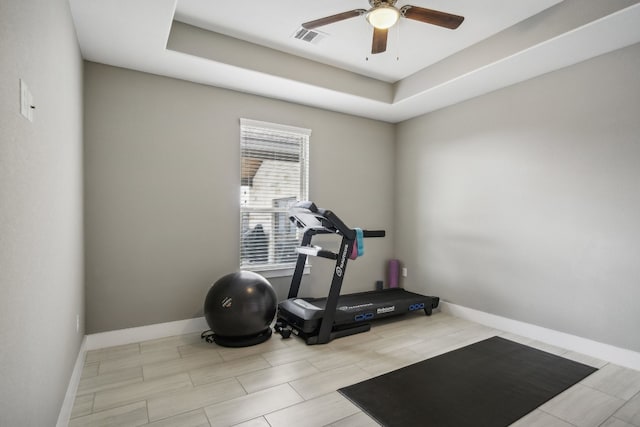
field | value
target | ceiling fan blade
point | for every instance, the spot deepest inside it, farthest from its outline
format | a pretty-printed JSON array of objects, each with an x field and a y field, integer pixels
[
  {"x": 430, "y": 16},
  {"x": 379, "y": 44},
  {"x": 333, "y": 18}
]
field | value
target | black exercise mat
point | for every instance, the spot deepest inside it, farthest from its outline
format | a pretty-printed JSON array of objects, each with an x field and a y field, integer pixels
[{"x": 490, "y": 383}]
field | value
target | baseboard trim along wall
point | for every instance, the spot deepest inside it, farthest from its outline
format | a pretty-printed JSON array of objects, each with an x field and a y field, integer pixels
[
  {"x": 67, "y": 405},
  {"x": 616, "y": 355},
  {"x": 144, "y": 333}
]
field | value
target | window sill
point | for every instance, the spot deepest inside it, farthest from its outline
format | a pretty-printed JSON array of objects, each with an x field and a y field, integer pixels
[{"x": 271, "y": 271}]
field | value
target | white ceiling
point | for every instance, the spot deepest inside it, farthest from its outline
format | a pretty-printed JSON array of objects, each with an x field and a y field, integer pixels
[
  {"x": 247, "y": 46},
  {"x": 411, "y": 46}
]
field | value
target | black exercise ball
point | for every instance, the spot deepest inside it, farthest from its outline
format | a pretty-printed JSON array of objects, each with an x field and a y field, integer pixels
[{"x": 239, "y": 309}]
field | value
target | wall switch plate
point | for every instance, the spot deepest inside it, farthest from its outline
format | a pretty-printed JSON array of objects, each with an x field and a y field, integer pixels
[
  {"x": 26, "y": 101},
  {"x": 77, "y": 323},
  {"x": 404, "y": 271}
]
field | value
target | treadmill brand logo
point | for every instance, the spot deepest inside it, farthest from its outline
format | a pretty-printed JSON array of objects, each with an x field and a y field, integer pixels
[
  {"x": 383, "y": 310},
  {"x": 354, "y": 307},
  {"x": 340, "y": 268}
]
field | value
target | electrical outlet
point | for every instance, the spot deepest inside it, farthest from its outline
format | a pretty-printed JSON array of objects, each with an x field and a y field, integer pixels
[
  {"x": 404, "y": 271},
  {"x": 77, "y": 323}
]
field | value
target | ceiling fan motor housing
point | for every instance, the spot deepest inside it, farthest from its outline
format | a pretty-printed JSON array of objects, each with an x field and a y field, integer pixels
[{"x": 378, "y": 3}]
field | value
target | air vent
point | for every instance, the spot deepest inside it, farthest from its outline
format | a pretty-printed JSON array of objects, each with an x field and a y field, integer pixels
[{"x": 309, "y": 36}]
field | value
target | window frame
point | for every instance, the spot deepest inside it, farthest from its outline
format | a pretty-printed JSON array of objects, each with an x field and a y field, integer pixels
[{"x": 274, "y": 269}]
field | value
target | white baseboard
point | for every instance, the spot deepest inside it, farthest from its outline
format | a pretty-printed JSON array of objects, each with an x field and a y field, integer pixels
[
  {"x": 616, "y": 355},
  {"x": 70, "y": 396},
  {"x": 144, "y": 333}
]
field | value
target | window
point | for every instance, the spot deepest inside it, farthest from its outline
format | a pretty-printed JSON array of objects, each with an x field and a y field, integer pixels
[{"x": 274, "y": 175}]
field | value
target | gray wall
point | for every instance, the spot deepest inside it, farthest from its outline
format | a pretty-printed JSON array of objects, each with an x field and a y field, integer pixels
[
  {"x": 41, "y": 237},
  {"x": 525, "y": 202},
  {"x": 162, "y": 196}
]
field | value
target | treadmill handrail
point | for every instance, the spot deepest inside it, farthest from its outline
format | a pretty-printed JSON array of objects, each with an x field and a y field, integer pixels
[
  {"x": 307, "y": 215},
  {"x": 373, "y": 233},
  {"x": 316, "y": 251}
]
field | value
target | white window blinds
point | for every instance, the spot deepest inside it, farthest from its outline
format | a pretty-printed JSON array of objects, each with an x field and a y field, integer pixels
[{"x": 274, "y": 175}]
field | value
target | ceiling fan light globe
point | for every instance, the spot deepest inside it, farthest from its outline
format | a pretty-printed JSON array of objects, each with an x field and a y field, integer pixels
[{"x": 383, "y": 17}]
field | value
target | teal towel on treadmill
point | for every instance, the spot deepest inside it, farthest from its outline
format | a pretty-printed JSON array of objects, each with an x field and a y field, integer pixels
[{"x": 359, "y": 241}]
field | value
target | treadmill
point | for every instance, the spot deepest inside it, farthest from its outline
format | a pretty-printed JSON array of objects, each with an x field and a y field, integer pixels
[{"x": 320, "y": 320}]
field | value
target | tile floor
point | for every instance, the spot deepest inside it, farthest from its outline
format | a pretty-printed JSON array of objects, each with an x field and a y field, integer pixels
[{"x": 184, "y": 382}]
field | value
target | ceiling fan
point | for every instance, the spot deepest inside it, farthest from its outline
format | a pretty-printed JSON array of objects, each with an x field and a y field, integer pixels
[{"x": 384, "y": 15}]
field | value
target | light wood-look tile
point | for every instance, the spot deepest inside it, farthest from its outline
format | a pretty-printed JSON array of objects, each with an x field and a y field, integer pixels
[
  {"x": 252, "y": 406},
  {"x": 353, "y": 340},
  {"x": 169, "y": 343},
  {"x": 359, "y": 419},
  {"x": 190, "y": 419},
  {"x": 401, "y": 324},
  {"x": 269, "y": 377},
  {"x": 202, "y": 345},
  {"x": 398, "y": 342},
  {"x": 433, "y": 330},
  {"x": 141, "y": 391},
  {"x": 377, "y": 364},
  {"x": 584, "y": 359},
  {"x": 256, "y": 422},
  {"x": 313, "y": 413},
  {"x": 295, "y": 352},
  {"x": 445, "y": 343},
  {"x": 583, "y": 406},
  {"x": 336, "y": 359},
  {"x": 274, "y": 344},
  {"x": 132, "y": 415},
  {"x": 138, "y": 360},
  {"x": 183, "y": 364},
  {"x": 390, "y": 343},
  {"x": 108, "y": 381},
  {"x": 189, "y": 399},
  {"x": 516, "y": 338},
  {"x": 83, "y": 405},
  {"x": 558, "y": 351},
  {"x": 539, "y": 418},
  {"x": 328, "y": 381},
  {"x": 453, "y": 321},
  {"x": 630, "y": 412},
  {"x": 615, "y": 380},
  {"x": 112, "y": 353},
  {"x": 224, "y": 370},
  {"x": 615, "y": 422},
  {"x": 90, "y": 370}
]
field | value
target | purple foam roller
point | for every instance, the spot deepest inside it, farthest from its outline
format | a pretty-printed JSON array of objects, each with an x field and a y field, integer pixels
[{"x": 394, "y": 273}]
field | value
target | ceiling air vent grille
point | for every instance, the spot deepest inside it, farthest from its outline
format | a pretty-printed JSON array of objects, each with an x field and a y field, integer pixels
[{"x": 309, "y": 36}]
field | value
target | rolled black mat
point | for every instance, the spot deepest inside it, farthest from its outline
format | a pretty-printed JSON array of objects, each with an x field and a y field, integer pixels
[{"x": 490, "y": 383}]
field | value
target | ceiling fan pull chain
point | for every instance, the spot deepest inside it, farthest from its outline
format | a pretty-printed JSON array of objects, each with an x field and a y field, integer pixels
[{"x": 398, "y": 42}]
